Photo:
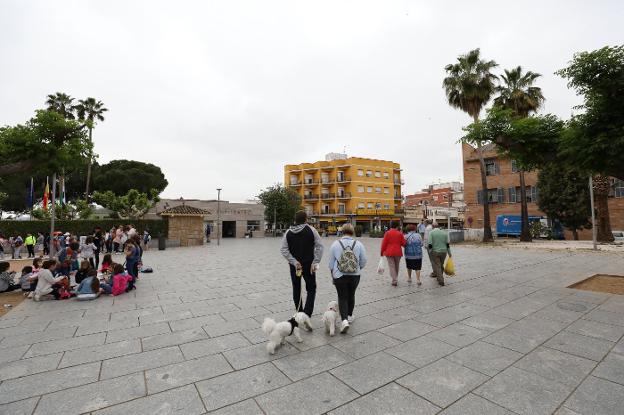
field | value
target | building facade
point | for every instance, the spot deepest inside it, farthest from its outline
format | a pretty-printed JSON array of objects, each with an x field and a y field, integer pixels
[
  {"x": 441, "y": 202},
  {"x": 342, "y": 189},
  {"x": 236, "y": 220},
  {"x": 504, "y": 191}
]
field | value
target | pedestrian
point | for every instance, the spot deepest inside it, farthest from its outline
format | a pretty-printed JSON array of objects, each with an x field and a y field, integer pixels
[
  {"x": 30, "y": 242},
  {"x": 391, "y": 247},
  {"x": 98, "y": 241},
  {"x": 3, "y": 241},
  {"x": 133, "y": 256},
  {"x": 17, "y": 242},
  {"x": 208, "y": 233},
  {"x": 39, "y": 246},
  {"x": 118, "y": 233},
  {"x": 428, "y": 230},
  {"x": 421, "y": 229},
  {"x": 146, "y": 239},
  {"x": 46, "y": 244},
  {"x": 413, "y": 253},
  {"x": 87, "y": 251},
  {"x": 7, "y": 278},
  {"x": 347, "y": 259},
  {"x": 303, "y": 249},
  {"x": 439, "y": 246}
]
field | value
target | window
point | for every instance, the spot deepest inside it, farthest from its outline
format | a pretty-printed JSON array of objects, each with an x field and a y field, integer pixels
[
  {"x": 369, "y": 173},
  {"x": 369, "y": 205},
  {"x": 491, "y": 167},
  {"x": 377, "y": 205},
  {"x": 341, "y": 208},
  {"x": 360, "y": 189},
  {"x": 532, "y": 194},
  {"x": 386, "y": 175},
  {"x": 361, "y": 205},
  {"x": 341, "y": 176},
  {"x": 494, "y": 196},
  {"x": 512, "y": 195},
  {"x": 386, "y": 190},
  {"x": 377, "y": 174},
  {"x": 369, "y": 189},
  {"x": 514, "y": 166},
  {"x": 387, "y": 206},
  {"x": 253, "y": 225},
  {"x": 360, "y": 172},
  {"x": 326, "y": 209},
  {"x": 309, "y": 179},
  {"x": 324, "y": 178},
  {"x": 377, "y": 189},
  {"x": 294, "y": 180},
  {"x": 618, "y": 188}
]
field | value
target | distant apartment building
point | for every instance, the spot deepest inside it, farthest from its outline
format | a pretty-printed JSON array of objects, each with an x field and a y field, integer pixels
[
  {"x": 341, "y": 189},
  {"x": 504, "y": 190},
  {"x": 440, "y": 202}
]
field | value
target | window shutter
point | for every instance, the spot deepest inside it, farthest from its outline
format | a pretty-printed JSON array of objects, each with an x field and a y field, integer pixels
[
  {"x": 512, "y": 195},
  {"x": 480, "y": 197},
  {"x": 501, "y": 195},
  {"x": 496, "y": 167}
]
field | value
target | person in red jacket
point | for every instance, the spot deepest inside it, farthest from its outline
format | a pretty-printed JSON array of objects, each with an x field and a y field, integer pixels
[{"x": 391, "y": 248}]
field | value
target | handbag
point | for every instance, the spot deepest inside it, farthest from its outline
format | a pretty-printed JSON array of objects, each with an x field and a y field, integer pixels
[
  {"x": 449, "y": 267},
  {"x": 383, "y": 264}
]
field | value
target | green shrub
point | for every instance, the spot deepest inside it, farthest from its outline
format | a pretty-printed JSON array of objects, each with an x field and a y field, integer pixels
[
  {"x": 376, "y": 234},
  {"x": 358, "y": 230},
  {"x": 81, "y": 227}
]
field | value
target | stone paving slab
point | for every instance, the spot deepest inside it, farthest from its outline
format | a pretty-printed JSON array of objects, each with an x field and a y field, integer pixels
[{"x": 504, "y": 336}]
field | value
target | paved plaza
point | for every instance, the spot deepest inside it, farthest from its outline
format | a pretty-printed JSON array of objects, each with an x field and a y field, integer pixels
[{"x": 503, "y": 337}]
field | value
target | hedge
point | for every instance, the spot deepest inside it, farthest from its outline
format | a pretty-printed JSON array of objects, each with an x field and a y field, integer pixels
[{"x": 81, "y": 227}]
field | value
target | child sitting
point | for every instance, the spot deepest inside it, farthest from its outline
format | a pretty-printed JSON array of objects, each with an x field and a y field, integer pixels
[
  {"x": 107, "y": 264},
  {"x": 47, "y": 283},
  {"x": 7, "y": 279},
  {"x": 82, "y": 272},
  {"x": 89, "y": 287},
  {"x": 27, "y": 281},
  {"x": 68, "y": 258},
  {"x": 118, "y": 282}
]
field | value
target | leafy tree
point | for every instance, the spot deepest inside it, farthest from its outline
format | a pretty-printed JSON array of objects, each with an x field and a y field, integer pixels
[
  {"x": 595, "y": 138},
  {"x": 469, "y": 85},
  {"x": 120, "y": 176},
  {"x": 280, "y": 203},
  {"x": 62, "y": 104},
  {"x": 132, "y": 205},
  {"x": 517, "y": 94},
  {"x": 68, "y": 211},
  {"x": 46, "y": 143},
  {"x": 90, "y": 111},
  {"x": 564, "y": 196}
]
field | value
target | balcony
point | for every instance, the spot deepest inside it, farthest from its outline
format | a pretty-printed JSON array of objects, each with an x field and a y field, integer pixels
[
  {"x": 310, "y": 182},
  {"x": 343, "y": 195},
  {"x": 399, "y": 181},
  {"x": 296, "y": 184},
  {"x": 310, "y": 197},
  {"x": 327, "y": 196},
  {"x": 327, "y": 181},
  {"x": 343, "y": 179},
  {"x": 398, "y": 197},
  {"x": 328, "y": 212}
]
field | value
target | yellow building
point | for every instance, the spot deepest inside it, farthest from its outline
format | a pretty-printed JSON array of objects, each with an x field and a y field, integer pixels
[{"x": 341, "y": 189}]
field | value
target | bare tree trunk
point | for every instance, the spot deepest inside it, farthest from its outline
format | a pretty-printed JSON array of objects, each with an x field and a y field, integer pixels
[
  {"x": 487, "y": 228},
  {"x": 525, "y": 233},
  {"x": 89, "y": 165},
  {"x": 601, "y": 195}
]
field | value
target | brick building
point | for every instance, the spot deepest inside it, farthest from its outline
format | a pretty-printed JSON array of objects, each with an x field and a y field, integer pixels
[
  {"x": 504, "y": 191},
  {"x": 441, "y": 202}
]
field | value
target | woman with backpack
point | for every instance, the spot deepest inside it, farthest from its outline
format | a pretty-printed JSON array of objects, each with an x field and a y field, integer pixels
[
  {"x": 413, "y": 253},
  {"x": 346, "y": 258}
]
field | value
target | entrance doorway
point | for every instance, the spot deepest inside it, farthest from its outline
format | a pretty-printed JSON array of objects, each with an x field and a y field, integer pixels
[{"x": 229, "y": 229}]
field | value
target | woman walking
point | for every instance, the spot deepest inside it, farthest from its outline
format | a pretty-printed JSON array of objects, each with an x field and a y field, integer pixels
[
  {"x": 413, "y": 253},
  {"x": 347, "y": 257},
  {"x": 391, "y": 248}
]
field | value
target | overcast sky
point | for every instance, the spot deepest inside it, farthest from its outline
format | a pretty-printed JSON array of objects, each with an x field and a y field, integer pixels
[{"x": 224, "y": 93}]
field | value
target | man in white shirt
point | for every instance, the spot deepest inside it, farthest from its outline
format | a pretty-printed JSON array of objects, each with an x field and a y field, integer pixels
[{"x": 428, "y": 229}]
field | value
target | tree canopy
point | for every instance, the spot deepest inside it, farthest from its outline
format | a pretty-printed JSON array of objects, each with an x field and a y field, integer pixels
[
  {"x": 121, "y": 176},
  {"x": 282, "y": 202},
  {"x": 132, "y": 205}
]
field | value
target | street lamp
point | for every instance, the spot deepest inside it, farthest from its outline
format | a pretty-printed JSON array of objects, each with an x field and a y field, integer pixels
[{"x": 218, "y": 216}]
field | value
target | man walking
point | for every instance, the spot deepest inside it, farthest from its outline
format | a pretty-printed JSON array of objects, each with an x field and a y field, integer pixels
[
  {"x": 421, "y": 229},
  {"x": 428, "y": 229},
  {"x": 439, "y": 246},
  {"x": 303, "y": 249}
]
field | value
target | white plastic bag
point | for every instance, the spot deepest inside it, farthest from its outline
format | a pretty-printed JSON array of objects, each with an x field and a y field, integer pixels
[{"x": 383, "y": 264}]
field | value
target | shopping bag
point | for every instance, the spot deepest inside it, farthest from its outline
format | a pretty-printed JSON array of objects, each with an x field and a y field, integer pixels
[
  {"x": 381, "y": 268},
  {"x": 449, "y": 267}
]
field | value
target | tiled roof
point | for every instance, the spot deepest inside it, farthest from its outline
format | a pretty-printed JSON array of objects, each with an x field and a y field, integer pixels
[{"x": 184, "y": 210}]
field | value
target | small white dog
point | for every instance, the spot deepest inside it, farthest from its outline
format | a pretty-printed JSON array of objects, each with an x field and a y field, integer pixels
[
  {"x": 330, "y": 317},
  {"x": 277, "y": 332}
]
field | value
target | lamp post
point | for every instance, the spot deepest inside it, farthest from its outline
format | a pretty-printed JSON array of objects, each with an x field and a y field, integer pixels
[
  {"x": 593, "y": 212},
  {"x": 218, "y": 216}
]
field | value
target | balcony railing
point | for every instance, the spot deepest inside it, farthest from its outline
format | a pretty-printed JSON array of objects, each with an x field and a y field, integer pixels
[
  {"x": 295, "y": 184},
  {"x": 398, "y": 197},
  {"x": 310, "y": 197},
  {"x": 343, "y": 179},
  {"x": 327, "y": 196},
  {"x": 343, "y": 195},
  {"x": 310, "y": 182},
  {"x": 328, "y": 212},
  {"x": 327, "y": 181},
  {"x": 399, "y": 181}
]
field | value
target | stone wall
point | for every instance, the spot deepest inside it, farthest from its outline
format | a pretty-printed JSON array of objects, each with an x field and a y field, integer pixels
[{"x": 189, "y": 230}]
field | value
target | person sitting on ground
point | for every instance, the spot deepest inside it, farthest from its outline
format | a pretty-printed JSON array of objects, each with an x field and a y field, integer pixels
[
  {"x": 36, "y": 267},
  {"x": 27, "y": 281},
  {"x": 47, "y": 283},
  {"x": 83, "y": 271},
  {"x": 118, "y": 282},
  {"x": 68, "y": 259},
  {"x": 7, "y": 278},
  {"x": 88, "y": 287},
  {"x": 107, "y": 264}
]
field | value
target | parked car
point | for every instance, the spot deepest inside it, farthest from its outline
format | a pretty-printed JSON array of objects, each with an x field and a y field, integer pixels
[{"x": 618, "y": 236}]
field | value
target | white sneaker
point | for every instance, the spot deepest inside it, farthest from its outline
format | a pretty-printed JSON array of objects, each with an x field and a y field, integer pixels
[
  {"x": 350, "y": 319},
  {"x": 37, "y": 297},
  {"x": 31, "y": 295},
  {"x": 345, "y": 326}
]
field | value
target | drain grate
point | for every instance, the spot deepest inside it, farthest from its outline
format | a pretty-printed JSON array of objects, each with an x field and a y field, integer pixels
[{"x": 612, "y": 284}]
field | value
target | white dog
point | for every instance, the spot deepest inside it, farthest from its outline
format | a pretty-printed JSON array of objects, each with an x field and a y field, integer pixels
[
  {"x": 330, "y": 317},
  {"x": 277, "y": 332}
]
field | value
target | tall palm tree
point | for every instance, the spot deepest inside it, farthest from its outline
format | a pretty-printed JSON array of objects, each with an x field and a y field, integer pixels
[
  {"x": 61, "y": 103},
  {"x": 469, "y": 85},
  {"x": 517, "y": 93},
  {"x": 90, "y": 111}
]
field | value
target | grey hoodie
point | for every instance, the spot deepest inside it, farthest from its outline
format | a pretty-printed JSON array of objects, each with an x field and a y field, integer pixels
[{"x": 318, "y": 244}]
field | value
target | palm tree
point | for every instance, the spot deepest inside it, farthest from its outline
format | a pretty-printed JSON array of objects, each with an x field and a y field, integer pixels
[
  {"x": 518, "y": 94},
  {"x": 61, "y": 103},
  {"x": 90, "y": 111},
  {"x": 469, "y": 85}
]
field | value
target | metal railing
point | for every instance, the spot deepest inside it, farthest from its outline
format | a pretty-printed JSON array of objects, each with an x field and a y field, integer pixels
[
  {"x": 310, "y": 197},
  {"x": 326, "y": 196},
  {"x": 345, "y": 195}
]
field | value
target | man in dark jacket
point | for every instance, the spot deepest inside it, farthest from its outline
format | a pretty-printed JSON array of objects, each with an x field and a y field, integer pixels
[{"x": 303, "y": 249}]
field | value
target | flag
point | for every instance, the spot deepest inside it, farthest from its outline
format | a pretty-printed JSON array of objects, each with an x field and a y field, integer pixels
[{"x": 46, "y": 195}]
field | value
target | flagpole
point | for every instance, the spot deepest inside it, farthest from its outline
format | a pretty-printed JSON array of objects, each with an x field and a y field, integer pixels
[
  {"x": 32, "y": 196},
  {"x": 52, "y": 253}
]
